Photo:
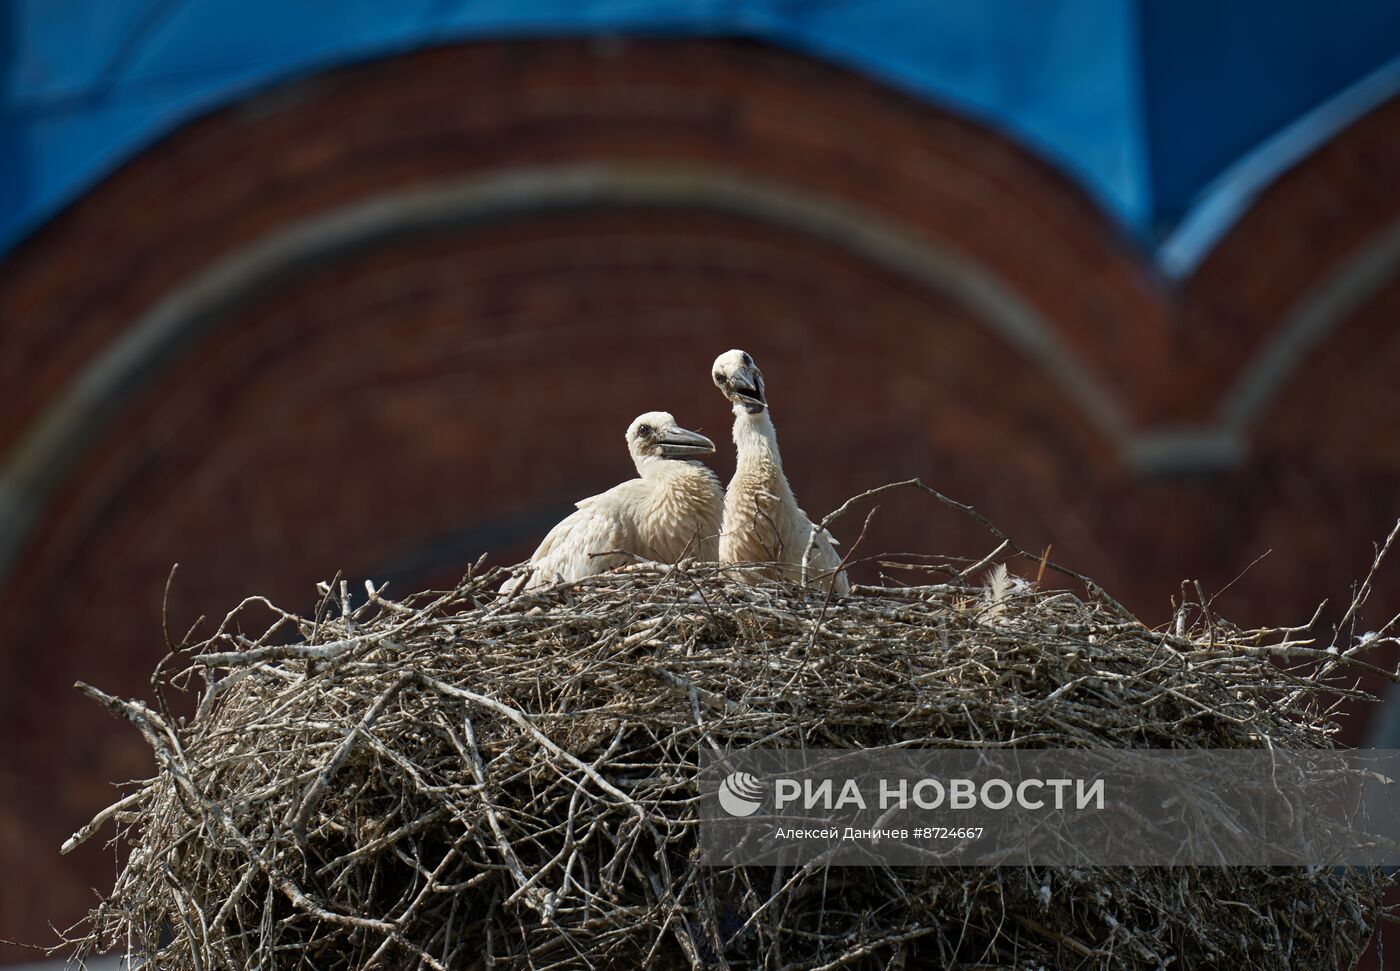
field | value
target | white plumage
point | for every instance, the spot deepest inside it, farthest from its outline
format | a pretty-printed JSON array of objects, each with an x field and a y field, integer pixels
[
  {"x": 762, "y": 520},
  {"x": 673, "y": 509}
]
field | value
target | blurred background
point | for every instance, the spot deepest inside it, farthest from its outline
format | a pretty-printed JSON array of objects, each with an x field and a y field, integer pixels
[{"x": 297, "y": 288}]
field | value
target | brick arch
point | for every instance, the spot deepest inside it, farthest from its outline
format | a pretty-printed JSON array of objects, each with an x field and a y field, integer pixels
[
  {"x": 431, "y": 116},
  {"x": 1317, "y": 245},
  {"x": 1325, "y": 473},
  {"x": 379, "y": 411},
  {"x": 1309, "y": 324},
  {"x": 41, "y": 459},
  {"x": 1291, "y": 320}
]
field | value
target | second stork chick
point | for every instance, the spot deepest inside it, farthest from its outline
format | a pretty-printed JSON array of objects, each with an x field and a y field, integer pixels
[
  {"x": 762, "y": 520},
  {"x": 673, "y": 509}
]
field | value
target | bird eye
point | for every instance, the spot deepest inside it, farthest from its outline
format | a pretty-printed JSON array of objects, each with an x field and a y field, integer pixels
[
  {"x": 719, "y": 377},
  {"x": 748, "y": 361},
  {"x": 644, "y": 431}
]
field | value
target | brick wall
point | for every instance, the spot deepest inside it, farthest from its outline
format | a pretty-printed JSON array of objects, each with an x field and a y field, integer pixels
[{"x": 398, "y": 409}]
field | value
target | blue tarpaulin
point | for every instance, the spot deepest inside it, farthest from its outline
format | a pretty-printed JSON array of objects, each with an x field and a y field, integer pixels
[{"x": 1144, "y": 102}]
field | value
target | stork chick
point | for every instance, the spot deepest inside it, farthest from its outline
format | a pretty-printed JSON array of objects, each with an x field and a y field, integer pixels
[
  {"x": 673, "y": 509},
  {"x": 762, "y": 521}
]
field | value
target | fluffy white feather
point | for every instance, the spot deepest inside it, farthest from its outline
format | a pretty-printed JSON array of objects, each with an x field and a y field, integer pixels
[{"x": 673, "y": 508}]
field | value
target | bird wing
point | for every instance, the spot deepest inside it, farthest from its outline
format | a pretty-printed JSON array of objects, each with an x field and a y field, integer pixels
[
  {"x": 824, "y": 553},
  {"x": 822, "y": 533},
  {"x": 599, "y": 525},
  {"x": 825, "y": 559}
]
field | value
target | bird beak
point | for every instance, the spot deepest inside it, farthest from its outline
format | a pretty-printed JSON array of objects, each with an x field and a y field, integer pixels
[
  {"x": 680, "y": 443},
  {"x": 746, "y": 388}
]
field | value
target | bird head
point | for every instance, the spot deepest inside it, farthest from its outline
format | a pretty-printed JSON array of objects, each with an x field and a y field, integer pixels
[
  {"x": 656, "y": 435},
  {"x": 736, "y": 374}
]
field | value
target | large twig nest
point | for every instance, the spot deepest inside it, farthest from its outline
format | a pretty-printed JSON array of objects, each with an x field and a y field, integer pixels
[{"x": 457, "y": 782}]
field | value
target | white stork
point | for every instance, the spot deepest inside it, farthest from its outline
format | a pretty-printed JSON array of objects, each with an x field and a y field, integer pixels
[
  {"x": 762, "y": 521},
  {"x": 674, "y": 509}
]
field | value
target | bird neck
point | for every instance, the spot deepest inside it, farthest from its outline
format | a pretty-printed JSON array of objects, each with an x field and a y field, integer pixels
[
  {"x": 754, "y": 436},
  {"x": 653, "y": 468}
]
